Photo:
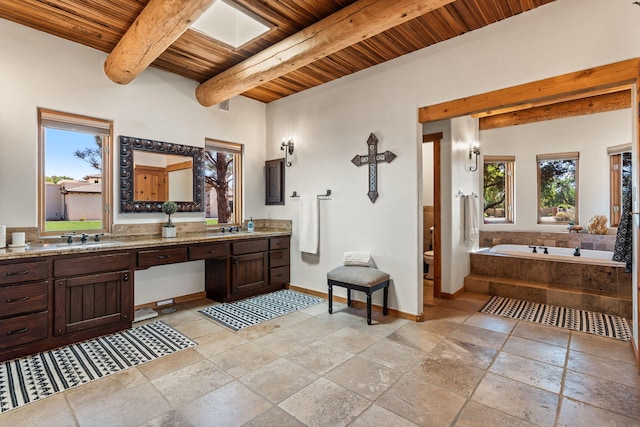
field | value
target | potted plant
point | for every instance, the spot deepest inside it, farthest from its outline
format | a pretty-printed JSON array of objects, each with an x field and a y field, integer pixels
[{"x": 169, "y": 228}]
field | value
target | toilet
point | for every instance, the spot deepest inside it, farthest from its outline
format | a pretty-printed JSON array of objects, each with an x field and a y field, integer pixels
[{"x": 428, "y": 259}]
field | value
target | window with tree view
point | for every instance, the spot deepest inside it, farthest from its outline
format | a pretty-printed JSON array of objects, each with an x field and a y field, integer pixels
[
  {"x": 498, "y": 184},
  {"x": 74, "y": 165},
  {"x": 223, "y": 183},
  {"x": 558, "y": 188}
]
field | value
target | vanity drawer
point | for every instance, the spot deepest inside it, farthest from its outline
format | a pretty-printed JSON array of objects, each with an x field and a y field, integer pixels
[
  {"x": 214, "y": 250},
  {"x": 90, "y": 264},
  {"x": 250, "y": 246},
  {"x": 18, "y": 299},
  {"x": 23, "y": 329},
  {"x": 151, "y": 257},
  {"x": 279, "y": 258},
  {"x": 23, "y": 272},
  {"x": 279, "y": 243},
  {"x": 278, "y": 276}
]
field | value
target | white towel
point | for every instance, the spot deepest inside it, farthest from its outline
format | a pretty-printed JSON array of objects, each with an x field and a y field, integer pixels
[
  {"x": 309, "y": 224},
  {"x": 362, "y": 259},
  {"x": 470, "y": 218}
]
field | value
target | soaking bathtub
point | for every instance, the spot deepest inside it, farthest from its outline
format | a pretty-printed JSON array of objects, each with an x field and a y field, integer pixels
[{"x": 587, "y": 256}]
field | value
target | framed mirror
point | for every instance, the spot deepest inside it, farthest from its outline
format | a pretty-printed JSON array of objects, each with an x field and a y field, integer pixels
[{"x": 152, "y": 172}]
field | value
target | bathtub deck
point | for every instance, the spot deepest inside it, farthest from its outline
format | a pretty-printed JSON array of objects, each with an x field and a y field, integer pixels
[{"x": 586, "y": 287}]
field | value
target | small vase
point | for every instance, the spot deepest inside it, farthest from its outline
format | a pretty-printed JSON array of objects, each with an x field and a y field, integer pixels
[{"x": 169, "y": 231}]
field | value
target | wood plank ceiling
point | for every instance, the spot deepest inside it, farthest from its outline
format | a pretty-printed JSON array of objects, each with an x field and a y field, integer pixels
[{"x": 101, "y": 24}]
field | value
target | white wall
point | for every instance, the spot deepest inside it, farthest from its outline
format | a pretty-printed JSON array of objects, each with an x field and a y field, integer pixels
[
  {"x": 330, "y": 124},
  {"x": 589, "y": 135},
  {"x": 40, "y": 70}
]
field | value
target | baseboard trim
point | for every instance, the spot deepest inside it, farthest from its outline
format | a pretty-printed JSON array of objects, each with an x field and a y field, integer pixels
[
  {"x": 454, "y": 295},
  {"x": 360, "y": 304},
  {"x": 176, "y": 300}
]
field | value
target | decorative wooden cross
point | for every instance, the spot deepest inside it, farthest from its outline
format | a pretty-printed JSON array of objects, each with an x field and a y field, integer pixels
[{"x": 372, "y": 158}]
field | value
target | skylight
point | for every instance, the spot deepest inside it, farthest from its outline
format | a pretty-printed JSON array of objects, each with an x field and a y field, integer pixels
[{"x": 228, "y": 23}]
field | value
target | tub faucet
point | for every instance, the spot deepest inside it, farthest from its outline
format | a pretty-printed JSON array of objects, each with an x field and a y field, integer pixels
[
  {"x": 535, "y": 249},
  {"x": 577, "y": 252},
  {"x": 546, "y": 250}
]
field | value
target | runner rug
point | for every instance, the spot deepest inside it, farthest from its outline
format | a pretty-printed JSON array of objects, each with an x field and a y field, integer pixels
[
  {"x": 248, "y": 312},
  {"x": 591, "y": 322},
  {"x": 32, "y": 378}
]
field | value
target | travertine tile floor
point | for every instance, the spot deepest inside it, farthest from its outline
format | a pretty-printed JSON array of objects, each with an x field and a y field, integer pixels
[{"x": 458, "y": 368}]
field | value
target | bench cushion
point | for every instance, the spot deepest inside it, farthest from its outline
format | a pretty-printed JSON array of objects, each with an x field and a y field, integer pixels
[{"x": 362, "y": 276}]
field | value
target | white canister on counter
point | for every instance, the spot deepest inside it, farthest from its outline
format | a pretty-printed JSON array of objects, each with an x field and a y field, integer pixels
[{"x": 3, "y": 236}]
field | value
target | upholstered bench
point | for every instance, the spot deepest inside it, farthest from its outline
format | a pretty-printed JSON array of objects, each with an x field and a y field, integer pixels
[{"x": 364, "y": 279}]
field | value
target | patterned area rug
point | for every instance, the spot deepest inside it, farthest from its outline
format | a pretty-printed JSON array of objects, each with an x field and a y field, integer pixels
[
  {"x": 241, "y": 314},
  {"x": 591, "y": 322},
  {"x": 35, "y": 377}
]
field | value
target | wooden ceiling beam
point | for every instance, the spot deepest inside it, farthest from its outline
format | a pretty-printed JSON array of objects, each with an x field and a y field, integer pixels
[
  {"x": 591, "y": 105},
  {"x": 159, "y": 24},
  {"x": 348, "y": 26},
  {"x": 567, "y": 85}
]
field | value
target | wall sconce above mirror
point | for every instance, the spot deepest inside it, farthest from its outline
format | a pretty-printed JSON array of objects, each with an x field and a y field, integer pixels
[
  {"x": 287, "y": 146},
  {"x": 153, "y": 172},
  {"x": 474, "y": 153}
]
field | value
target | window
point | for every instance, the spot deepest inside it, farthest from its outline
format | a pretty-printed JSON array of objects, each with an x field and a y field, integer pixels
[
  {"x": 558, "y": 188},
  {"x": 223, "y": 182},
  {"x": 74, "y": 173},
  {"x": 498, "y": 182},
  {"x": 619, "y": 179}
]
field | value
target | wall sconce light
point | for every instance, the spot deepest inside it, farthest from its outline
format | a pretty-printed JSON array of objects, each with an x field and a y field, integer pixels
[
  {"x": 474, "y": 153},
  {"x": 287, "y": 146}
]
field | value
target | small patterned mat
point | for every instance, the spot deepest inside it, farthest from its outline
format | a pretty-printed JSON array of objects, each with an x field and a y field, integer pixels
[
  {"x": 241, "y": 314},
  {"x": 35, "y": 377},
  {"x": 591, "y": 322}
]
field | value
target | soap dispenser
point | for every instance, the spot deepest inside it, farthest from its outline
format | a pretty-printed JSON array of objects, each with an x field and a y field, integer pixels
[{"x": 250, "y": 228}]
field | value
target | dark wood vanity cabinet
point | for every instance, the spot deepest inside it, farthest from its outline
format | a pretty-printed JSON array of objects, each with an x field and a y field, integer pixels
[
  {"x": 249, "y": 267},
  {"x": 93, "y": 293},
  {"x": 253, "y": 267},
  {"x": 24, "y": 303},
  {"x": 279, "y": 254}
]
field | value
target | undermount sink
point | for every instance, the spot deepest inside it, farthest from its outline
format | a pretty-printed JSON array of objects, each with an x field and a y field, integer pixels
[{"x": 81, "y": 245}]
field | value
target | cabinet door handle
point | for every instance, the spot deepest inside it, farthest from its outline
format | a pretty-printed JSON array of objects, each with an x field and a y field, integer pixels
[
  {"x": 9, "y": 301},
  {"x": 235, "y": 260},
  {"x": 18, "y": 331},
  {"x": 163, "y": 256},
  {"x": 17, "y": 273},
  {"x": 125, "y": 277},
  {"x": 210, "y": 252}
]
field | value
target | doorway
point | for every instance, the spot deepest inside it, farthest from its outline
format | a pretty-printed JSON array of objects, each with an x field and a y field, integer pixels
[{"x": 431, "y": 236}]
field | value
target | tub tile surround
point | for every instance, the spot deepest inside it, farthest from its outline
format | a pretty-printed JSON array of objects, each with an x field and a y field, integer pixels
[
  {"x": 598, "y": 242},
  {"x": 581, "y": 286}
]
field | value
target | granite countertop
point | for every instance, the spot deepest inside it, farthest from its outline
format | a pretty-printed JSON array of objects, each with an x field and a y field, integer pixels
[{"x": 37, "y": 250}]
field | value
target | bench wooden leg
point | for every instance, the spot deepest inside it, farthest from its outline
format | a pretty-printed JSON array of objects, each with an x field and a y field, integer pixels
[
  {"x": 386, "y": 299},
  {"x": 348, "y": 297},
  {"x": 330, "y": 298},
  {"x": 368, "y": 308}
]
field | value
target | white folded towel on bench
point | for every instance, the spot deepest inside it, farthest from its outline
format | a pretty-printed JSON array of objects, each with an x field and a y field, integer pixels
[{"x": 362, "y": 259}]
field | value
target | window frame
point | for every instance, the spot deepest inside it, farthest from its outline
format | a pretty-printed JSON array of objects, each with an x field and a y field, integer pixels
[
  {"x": 616, "y": 185},
  {"x": 71, "y": 121},
  {"x": 238, "y": 194},
  {"x": 572, "y": 155},
  {"x": 509, "y": 187}
]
